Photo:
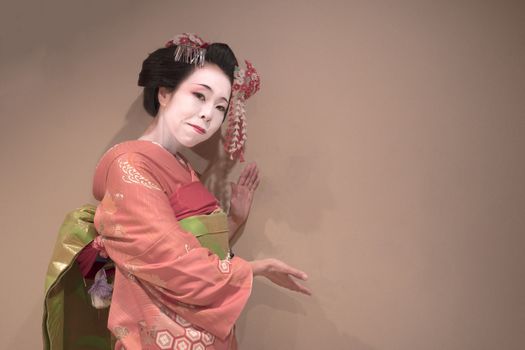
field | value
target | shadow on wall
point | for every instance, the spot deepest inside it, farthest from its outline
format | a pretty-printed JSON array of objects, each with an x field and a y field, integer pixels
[
  {"x": 137, "y": 120},
  {"x": 295, "y": 199},
  {"x": 322, "y": 334},
  {"x": 302, "y": 182},
  {"x": 215, "y": 167}
]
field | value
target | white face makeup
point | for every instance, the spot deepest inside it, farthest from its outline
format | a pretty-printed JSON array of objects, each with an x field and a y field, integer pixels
[{"x": 196, "y": 108}]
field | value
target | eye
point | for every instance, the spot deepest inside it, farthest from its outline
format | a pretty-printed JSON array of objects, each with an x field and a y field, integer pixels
[
  {"x": 221, "y": 108},
  {"x": 199, "y": 96}
]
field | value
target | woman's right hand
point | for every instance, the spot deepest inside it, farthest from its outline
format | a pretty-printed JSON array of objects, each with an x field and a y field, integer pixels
[{"x": 281, "y": 274}]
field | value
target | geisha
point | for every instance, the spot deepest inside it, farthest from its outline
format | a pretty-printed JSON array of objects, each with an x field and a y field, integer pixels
[{"x": 158, "y": 234}]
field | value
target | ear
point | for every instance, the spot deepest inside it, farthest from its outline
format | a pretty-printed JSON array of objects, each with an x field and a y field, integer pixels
[{"x": 164, "y": 96}]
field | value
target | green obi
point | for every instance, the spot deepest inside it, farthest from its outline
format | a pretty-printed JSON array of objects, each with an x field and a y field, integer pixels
[
  {"x": 211, "y": 230},
  {"x": 69, "y": 319}
]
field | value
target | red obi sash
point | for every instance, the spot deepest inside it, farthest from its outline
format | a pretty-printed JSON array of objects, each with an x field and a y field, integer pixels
[{"x": 192, "y": 199}]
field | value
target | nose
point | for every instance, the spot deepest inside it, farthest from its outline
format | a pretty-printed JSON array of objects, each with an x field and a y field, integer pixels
[
  {"x": 206, "y": 117},
  {"x": 206, "y": 113}
]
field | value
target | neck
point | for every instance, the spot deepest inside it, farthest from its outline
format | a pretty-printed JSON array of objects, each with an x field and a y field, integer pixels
[{"x": 156, "y": 132}]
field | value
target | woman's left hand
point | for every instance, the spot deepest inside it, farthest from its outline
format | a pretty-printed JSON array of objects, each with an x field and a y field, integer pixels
[
  {"x": 281, "y": 274},
  {"x": 242, "y": 193}
]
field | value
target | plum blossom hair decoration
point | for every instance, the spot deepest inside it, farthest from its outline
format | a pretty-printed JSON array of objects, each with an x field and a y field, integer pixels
[{"x": 246, "y": 82}]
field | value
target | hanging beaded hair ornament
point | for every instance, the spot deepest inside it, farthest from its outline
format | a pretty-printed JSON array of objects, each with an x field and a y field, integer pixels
[{"x": 191, "y": 49}]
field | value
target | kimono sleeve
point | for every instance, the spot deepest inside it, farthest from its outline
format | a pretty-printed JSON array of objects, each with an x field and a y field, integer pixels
[{"x": 142, "y": 236}]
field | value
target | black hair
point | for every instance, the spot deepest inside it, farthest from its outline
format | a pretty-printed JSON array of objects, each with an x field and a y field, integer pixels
[{"x": 160, "y": 69}]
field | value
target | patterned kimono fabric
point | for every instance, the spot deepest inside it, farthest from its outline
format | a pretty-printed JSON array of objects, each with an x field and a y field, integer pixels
[{"x": 174, "y": 287}]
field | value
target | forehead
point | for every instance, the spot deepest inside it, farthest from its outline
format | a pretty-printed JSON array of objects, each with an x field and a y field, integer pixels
[{"x": 211, "y": 75}]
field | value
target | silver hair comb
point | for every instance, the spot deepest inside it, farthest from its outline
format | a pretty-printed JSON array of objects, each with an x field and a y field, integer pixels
[{"x": 190, "y": 54}]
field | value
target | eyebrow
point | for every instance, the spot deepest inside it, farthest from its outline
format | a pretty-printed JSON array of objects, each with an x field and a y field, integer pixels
[{"x": 209, "y": 88}]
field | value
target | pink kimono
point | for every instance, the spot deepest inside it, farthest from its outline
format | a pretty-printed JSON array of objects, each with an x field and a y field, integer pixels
[{"x": 169, "y": 292}]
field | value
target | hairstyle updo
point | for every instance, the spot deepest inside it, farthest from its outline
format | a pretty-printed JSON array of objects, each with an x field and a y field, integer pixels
[{"x": 160, "y": 69}]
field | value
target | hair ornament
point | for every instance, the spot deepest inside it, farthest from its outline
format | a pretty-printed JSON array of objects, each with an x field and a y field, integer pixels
[
  {"x": 246, "y": 82},
  {"x": 190, "y": 49}
]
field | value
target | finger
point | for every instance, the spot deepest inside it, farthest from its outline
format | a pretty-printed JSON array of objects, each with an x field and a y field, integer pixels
[
  {"x": 252, "y": 185},
  {"x": 246, "y": 173},
  {"x": 250, "y": 168},
  {"x": 296, "y": 273},
  {"x": 255, "y": 185},
  {"x": 254, "y": 174},
  {"x": 281, "y": 266},
  {"x": 299, "y": 287},
  {"x": 254, "y": 177},
  {"x": 304, "y": 290},
  {"x": 243, "y": 177}
]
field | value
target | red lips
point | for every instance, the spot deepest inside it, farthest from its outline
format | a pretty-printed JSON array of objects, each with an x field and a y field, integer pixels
[{"x": 198, "y": 129}]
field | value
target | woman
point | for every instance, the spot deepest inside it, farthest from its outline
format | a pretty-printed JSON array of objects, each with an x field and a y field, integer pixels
[{"x": 177, "y": 285}]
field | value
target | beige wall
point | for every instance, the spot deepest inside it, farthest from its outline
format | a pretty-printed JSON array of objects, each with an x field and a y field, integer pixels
[{"x": 390, "y": 136}]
